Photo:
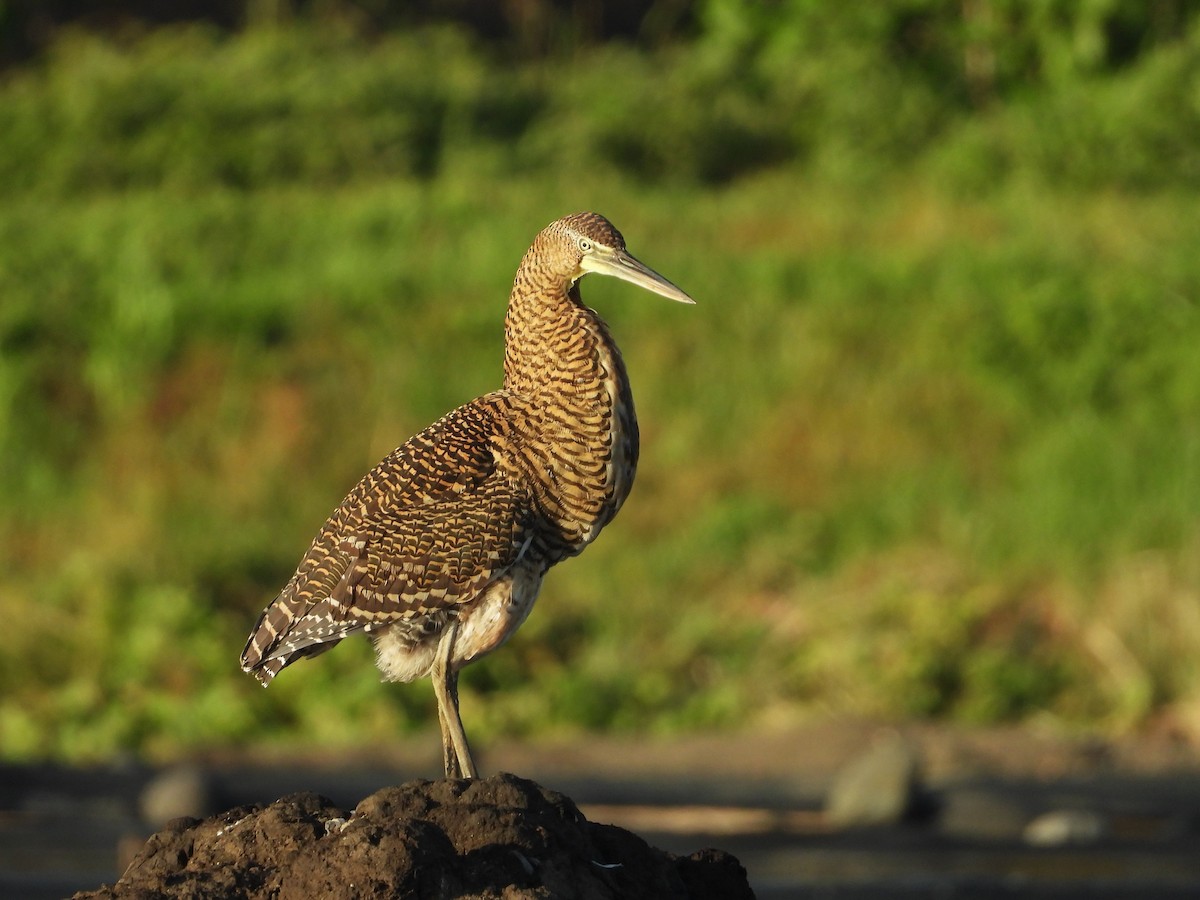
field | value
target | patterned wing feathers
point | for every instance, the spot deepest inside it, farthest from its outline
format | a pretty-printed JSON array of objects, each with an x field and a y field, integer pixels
[{"x": 426, "y": 530}]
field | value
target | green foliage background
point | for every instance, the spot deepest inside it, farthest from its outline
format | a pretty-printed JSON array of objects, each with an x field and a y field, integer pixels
[{"x": 929, "y": 445}]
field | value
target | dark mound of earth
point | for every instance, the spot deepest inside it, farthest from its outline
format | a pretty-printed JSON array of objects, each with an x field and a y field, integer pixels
[{"x": 500, "y": 837}]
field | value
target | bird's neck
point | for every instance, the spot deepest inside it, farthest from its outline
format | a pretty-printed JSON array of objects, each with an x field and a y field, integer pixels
[
  {"x": 553, "y": 344},
  {"x": 579, "y": 429}
]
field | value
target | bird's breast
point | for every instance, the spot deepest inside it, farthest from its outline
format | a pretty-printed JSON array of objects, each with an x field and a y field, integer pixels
[
  {"x": 575, "y": 430},
  {"x": 583, "y": 456}
]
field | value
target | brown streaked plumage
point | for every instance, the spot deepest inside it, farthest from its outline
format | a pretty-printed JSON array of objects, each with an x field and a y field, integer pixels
[{"x": 439, "y": 552}]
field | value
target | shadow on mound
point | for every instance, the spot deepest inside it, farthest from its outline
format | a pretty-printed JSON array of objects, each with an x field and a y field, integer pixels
[{"x": 498, "y": 837}]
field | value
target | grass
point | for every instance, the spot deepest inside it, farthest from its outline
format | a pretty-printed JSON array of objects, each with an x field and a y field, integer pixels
[{"x": 920, "y": 449}]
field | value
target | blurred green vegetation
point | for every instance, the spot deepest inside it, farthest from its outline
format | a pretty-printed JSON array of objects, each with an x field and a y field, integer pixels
[{"x": 929, "y": 445}]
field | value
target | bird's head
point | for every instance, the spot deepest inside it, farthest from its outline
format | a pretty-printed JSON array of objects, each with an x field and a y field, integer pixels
[{"x": 587, "y": 242}]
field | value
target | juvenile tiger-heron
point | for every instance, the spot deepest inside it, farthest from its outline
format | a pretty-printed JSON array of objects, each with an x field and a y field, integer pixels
[{"x": 439, "y": 552}]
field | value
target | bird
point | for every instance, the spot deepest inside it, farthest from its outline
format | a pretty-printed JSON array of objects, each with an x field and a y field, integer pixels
[{"x": 439, "y": 552}]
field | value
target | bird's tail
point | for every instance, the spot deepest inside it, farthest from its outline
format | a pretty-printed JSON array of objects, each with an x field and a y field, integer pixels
[
  {"x": 254, "y": 655},
  {"x": 280, "y": 638},
  {"x": 266, "y": 670}
]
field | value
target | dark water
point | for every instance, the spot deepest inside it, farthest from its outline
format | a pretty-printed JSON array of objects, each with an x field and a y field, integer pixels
[{"x": 61, "y": 829}]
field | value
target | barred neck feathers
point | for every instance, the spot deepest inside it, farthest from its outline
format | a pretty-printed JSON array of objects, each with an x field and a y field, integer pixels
[
  {"x": 562, "y": 365},
  {"x": 552, "y": 341}
]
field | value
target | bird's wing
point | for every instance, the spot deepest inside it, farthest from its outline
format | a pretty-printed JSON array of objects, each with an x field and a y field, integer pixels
[{"x": 425, "y": 530}]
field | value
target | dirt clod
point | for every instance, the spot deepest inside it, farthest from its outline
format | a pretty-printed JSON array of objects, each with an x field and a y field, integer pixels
[{"x": 500, "y": 837}]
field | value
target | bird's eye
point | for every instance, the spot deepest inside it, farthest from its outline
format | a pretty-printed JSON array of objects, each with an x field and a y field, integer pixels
[{"x": 585, "y": 245}]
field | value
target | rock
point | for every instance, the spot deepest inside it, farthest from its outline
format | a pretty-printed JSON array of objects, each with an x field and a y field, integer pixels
[
  {"x": 1066, "y": 827},
  {"x": 498, "y": 837},
  {"x": 878, "y": 787}
]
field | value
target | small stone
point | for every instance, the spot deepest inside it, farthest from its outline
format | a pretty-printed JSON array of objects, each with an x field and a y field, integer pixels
[
  {"x": 876, "y": 788},
  {"x": 1066, "y": 828},
  {"x": 176, "y": 792},
  {"x": 336, "y": 824}
]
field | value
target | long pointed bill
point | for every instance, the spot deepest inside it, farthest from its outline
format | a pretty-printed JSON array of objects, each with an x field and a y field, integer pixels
[{"x": 622, "y": 265}]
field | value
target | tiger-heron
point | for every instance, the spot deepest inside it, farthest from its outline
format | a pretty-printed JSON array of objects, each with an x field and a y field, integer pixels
[{"x": 439, "y": 552}]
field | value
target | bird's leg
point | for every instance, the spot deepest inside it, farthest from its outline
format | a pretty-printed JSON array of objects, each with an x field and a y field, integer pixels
[
  {"x": 456, "y": 753},
  {"x": 449, "y": 757},
  {"x": 464, "y": 765}
]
